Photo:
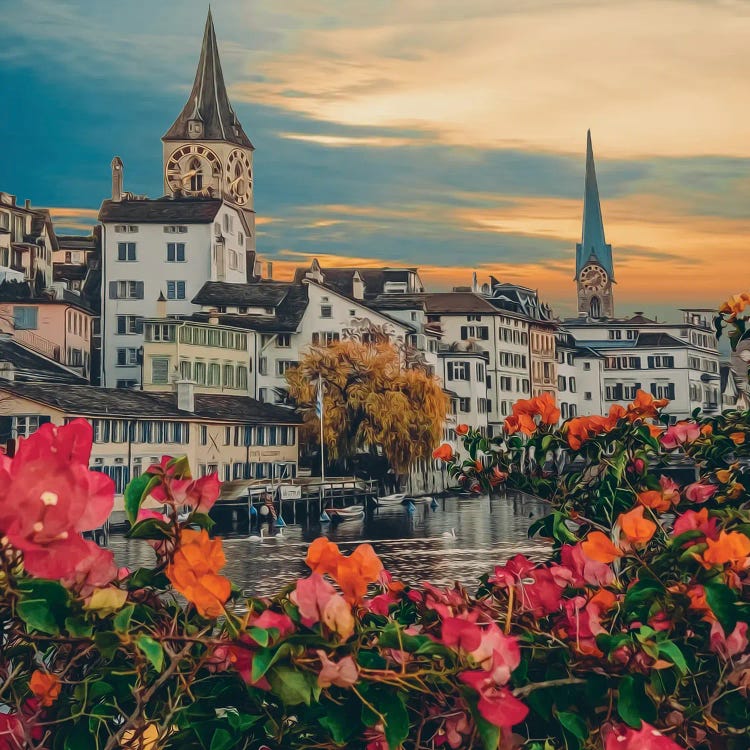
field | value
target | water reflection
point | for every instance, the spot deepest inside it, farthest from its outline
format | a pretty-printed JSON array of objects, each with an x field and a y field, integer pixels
[{"x": 414, "y": 546}]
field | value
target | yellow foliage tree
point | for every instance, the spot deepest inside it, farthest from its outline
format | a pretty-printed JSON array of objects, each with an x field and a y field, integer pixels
[{"x": 370, "y": 399}]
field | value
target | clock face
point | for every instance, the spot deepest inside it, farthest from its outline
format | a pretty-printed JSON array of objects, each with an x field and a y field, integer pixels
[
  {"x": 194, "y": 170},
  {"x": 593, "y": 278},
  {"x": 239, "y": 177}
]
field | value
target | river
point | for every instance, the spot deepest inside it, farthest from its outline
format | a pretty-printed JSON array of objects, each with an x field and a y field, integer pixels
[{"x": 414, "y": 547}]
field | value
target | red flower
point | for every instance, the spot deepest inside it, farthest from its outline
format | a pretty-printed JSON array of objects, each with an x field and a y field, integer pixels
[
  {"x": 48, "y": 495},
  {"x": 730, "y": 645},
  {"x": 645, "y": 738},
  {"x": 444, "y": 452},
  {"x": 537, "y": 590},
  {"x": 462, "y": 429},
  {"x": 681, "y": 433},
  {"x": 696, "y": 520},
  {"x": 699, "y": 492},
  {"x": 496, "y": 704}
]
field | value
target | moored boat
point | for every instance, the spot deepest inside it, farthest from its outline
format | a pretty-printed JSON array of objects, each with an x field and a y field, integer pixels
[
  {"x": 396, "y": 499},
  {"x": 353, "y": 513}
]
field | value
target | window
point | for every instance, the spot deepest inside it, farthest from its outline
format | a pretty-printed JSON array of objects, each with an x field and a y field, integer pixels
[
  {"x": 662, "y": 390},
  {"x": 464, "y": 404},
  {"x": 126, "y": 383},
  {"x": 175, "y": 290},
  {"x": 283, "y": 341},
  {"x": 475, "y": 332},
  {"x": 240, "y": 237},
  {"x": 326, "y": 311},
  {"x": 614, "y": 335},
  {"x": 127, "y": 357},
  {"x": 159, "y": 370},
  {"x": 480, "y": 372},
  {"x": 175, "y": 229},
  {"x": 214, "y": 374},
  {"x": 186, "y": 369},
  {"x": 200, "y": 373},
  {"x": 242, "y": 378},
  {"x": 572, "y": 385},
  {"x": 126, "y": 228},
  {"x": 505, "y": 383},
  {"x": 175, "y": 252},
  {"x": 160, "y": 332},
  {"x": 126, "y": 289},
  {"x": 25, "y": 425},
  {"x": 587, "y": 365},
  {"x": 204, "y": 434},
  {"x": 561, "y": 383},
  {"x": 228, "y": 376},
  {"x": 25, "y": 318},
  {"x": 282, "y": 365},
  {"x": 587, "y": 396},
  {"x": 458, "y": 371},
  {"x": 127, "y": 324},
  {"x": 228, "y": 222},
  {"x": 324, "y": 338},
  {"x": 660, "y": 360},
  {"x": 126, "y": 251},
  {"x": 475, "y": 318}
]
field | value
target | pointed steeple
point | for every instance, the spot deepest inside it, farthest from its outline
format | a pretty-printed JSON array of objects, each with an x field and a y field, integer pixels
[
  {"x": 593, "y": 246},
  {"x": 207, "y": 114}
]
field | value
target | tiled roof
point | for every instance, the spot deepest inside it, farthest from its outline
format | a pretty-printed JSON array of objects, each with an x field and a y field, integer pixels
[
  {"x": 658, "y": 340},
  {"x": 259, "y": 294},
  {"x": 28, "y": 366},
  {"x": 160, "y": 210},
  {"x": 90, "y": 401},
  {"x": 457, "y": 303},
  {"x": 76, "y": 242}
]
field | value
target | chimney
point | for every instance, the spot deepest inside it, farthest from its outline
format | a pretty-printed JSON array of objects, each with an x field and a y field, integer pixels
[
  {"x": 269, "y": 269},
  {"x": 213, "y": 317},
  {"x": 116, "y": 179},
  {"x": 161, "y": 306},
  {"x": 185, "y": 395},
  {"x": 638, "y": 312},
  {"x": 27, "y": 204}
]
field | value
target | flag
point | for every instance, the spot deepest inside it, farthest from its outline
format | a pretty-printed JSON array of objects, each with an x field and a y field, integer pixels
[{"x": 319, "y": 402}]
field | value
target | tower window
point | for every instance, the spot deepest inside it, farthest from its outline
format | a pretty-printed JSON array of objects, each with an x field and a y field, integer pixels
[
  {"x": 196, "y": 180},
  {"x": 596, "y": 307}
]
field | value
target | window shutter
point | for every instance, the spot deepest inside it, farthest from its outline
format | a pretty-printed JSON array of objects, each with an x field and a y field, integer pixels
[
  {"x": 653, "y": 386},
  {"x": 650, "y": 365},
  {"x": 463, "y": 332},
  {"x": 139, "y": 290},
  {"x": 139, "y": 325},
  {"x": 113, "y": 290},
  {"x": 6, "y": 429}
]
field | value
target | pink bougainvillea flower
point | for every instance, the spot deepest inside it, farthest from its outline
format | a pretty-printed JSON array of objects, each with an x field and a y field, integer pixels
[
  {"x": 343, "y": 673},
  {"x": 699, "y": 492},
  {"x": 692, "y": 520},
  {"x": 537, "y": 589},
  {"x": 585, "y": 570},
  {"x": 237, "y": 656},
  {"x": 311, "y": 596},
  {"x": 94, "y": 571},
  {"x": 276, "y": 620},
  {"x": 337, "y": 617},
  {"x": 198, "y": 494},
  {"x": 682, "y": 433},
  {"x": 645, "y": 738},
  {"x": 670, "y": 490},
  {"x": 730, "y": 645},
  {"x": 496, "y": 704},
  {"x": 48, "y": 496}
]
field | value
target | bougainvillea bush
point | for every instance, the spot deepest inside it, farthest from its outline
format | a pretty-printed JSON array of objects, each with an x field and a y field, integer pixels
[{"x": 633, "y": 636}]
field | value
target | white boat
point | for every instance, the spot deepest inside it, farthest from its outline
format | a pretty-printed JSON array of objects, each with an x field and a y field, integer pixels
[
  {"x": 396, "y": 499},
  {"x": 353, "y": 513}
]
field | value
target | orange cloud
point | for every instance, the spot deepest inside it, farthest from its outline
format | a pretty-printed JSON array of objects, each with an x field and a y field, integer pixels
[{"x": 648, "y": 76}]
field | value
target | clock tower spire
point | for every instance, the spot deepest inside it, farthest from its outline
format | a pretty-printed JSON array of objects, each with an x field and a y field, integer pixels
[
  {"x": 594, "y": 267},
  {"x": 206, "y": 151}
]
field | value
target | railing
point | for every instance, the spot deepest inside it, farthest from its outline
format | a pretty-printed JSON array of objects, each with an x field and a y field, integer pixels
[{"x": 38, "y": 343}]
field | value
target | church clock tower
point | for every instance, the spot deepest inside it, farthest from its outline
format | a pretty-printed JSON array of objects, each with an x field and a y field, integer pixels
[
  {"x": 594, "y": 268},
  {"x": 206, "y": 152}
]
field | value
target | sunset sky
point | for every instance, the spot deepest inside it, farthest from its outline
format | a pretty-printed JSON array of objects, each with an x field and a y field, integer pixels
[{"x": 444, "y": 134}]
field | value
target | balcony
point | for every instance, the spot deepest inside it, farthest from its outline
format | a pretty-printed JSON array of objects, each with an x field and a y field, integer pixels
[
  {"x": 710, "y": 407},
  {"x": 37, "y": 343}
]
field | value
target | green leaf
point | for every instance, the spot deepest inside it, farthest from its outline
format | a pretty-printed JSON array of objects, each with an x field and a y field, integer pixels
[
  {"x": 203, "y": 520},
  {"x": 574, "y": 724},
  {"x": 221, "y": 740},
  {"x": 488, "y": 733},
  {"x": 152, "y": 650},
  {"x": 107, "y": 643},
  {"x": 77, "y": 627},
  {"x": 391, "y": 705},
  {"x": 43, "y": 605},
  {"x": 371, "y": 660},
  {"x": 633, "y": 704},
  {"x": 672, "y": 652},
  {"x": 339, "y": 721},
  {"x": 136, "y": 491},
  {"x": 723, "y": 603},
  {"x": 292, "y": 686},
  {"x": 122, "y": 620},
  {"x": 260, "y": 636},
  {"x": 150, "y": 528}
]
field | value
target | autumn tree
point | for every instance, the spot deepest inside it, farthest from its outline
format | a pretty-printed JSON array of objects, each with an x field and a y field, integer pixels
[{"x": 371, "y": 399}]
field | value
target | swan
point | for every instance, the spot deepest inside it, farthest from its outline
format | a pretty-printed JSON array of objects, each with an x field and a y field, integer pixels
[
  {"x": 256, "y": 538},
  {"x": 449, "y": 534}
]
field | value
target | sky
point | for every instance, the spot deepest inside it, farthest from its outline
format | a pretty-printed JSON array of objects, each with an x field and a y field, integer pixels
[{"x": 449, "y": 135}]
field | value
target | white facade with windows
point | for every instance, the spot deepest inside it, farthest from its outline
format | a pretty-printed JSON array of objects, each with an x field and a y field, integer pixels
[{"x": 464, "y": 375}]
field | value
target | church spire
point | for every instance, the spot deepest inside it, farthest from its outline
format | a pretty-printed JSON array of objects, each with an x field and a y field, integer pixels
[
  {"x": 593, "y": 247},
  {"x": 207, "y": 114}
]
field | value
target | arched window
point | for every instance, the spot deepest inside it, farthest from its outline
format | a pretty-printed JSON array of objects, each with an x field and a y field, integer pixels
[
  {"x": 596, "y": 308},
  {"x": 196, "y": 180}
]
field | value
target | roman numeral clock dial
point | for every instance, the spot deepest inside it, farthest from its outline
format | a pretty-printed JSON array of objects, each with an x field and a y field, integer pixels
[
  {"x": 239, "y": 177},
  {"x": 194, "y": 170}
]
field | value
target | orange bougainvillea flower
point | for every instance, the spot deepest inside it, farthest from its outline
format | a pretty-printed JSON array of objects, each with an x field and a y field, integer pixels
[
  {"x": 645, "y": 406},
  {"x": 462, "y": 429},
  {"x": 731, "y": 547},
  {"x": 655, "y": 500},
  {"x": 521, "y": 423},
  {"x": 735, "y": 305},
  {"x": 599, "y": 547},
  {"x": 707, "y": 430},
  {"x": 194, "y": 569},
  {"x": 354, "y": 573},
  {"x": 637, "y": 529},
  {"x": 724, "y": 475},
  {"x": 738, "y": 438},
  {"x": 323, "y": 556},
  {"x": 45, "y": 687},
  {"x": 444, "y": 452},
  {"x": 547, "y": 409}
]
